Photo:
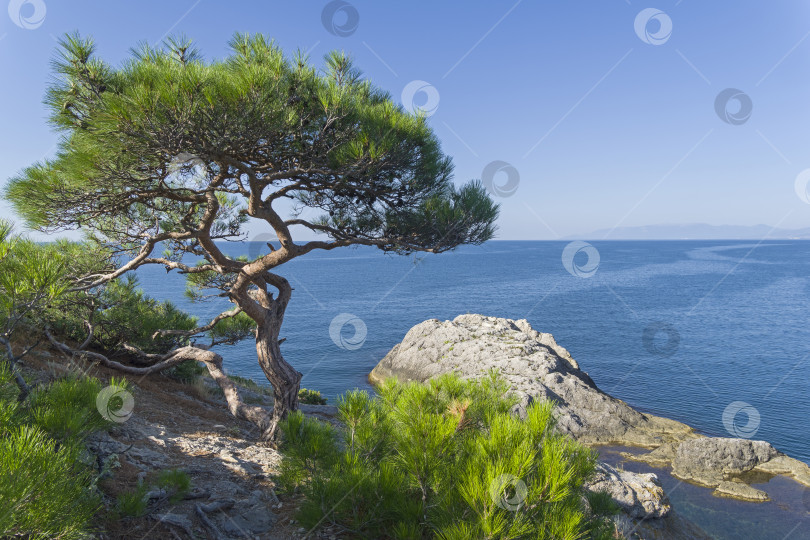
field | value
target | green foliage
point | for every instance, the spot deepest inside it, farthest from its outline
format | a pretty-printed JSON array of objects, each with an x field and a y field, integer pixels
[
  {"x": 121, "y": 313},
  {"x": 187, "y": 371},
  {"x": 175, "y": 482},
  {"x": 66, "y": 409},
  {"x": 232, "y": 329},
  {"x": 48, "y": 488},
  {"x": 44, "y": 488},
  {"x": 602, "y": 503},
  {"x": 133, "y": 503},
  {"x": 311, "y": 397},
  {"x": 35, "y": 277},
  {"x": 31, "y": 278},
  {"x": 30, "y": 275},
  {"x": 250, "y": 384},
  {"x": 445, "y": 460},
  {"x": 35, "y": 282},
  {"x": 130, "y": 316},
  {"x": 9, "y": 406}
]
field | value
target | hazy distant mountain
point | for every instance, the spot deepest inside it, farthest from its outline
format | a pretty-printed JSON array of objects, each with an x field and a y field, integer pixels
[{"x": 697, "y": 231}]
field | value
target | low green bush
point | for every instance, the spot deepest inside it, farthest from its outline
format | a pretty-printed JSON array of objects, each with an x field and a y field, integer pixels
[
  {"x": 67, "y": 407},
  {"x": 47, "y": 485},
  {"x": 440, "y": 460},
  {"x": 122, "y": 313},
  {"x": 132, "y": 503},
  {"x": 311, "y": 397},
  {"x": 187, "y": 371},
  {"x": 44, "y": 487},
  {"x": 250, "y": 384},
  {"x": 9, "y": 406},
  {"x": 175, "y": 482}
]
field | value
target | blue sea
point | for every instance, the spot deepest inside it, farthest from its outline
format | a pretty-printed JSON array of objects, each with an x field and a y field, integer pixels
[{"x": 711, "y": 333}]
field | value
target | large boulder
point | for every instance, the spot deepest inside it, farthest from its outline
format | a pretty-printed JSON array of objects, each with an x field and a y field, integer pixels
[
  {"x": 535, "y": 366},
  {"x": 710, "y": 460}
]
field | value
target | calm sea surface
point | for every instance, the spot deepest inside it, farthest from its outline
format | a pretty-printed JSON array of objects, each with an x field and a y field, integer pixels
[{"x": 690, "y": 330}]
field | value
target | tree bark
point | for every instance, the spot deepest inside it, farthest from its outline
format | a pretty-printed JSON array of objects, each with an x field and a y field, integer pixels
[{"x": 284, "y": 378}]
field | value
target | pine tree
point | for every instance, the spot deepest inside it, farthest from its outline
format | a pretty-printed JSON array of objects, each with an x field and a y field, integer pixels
[{"x": 169, "y": 150}]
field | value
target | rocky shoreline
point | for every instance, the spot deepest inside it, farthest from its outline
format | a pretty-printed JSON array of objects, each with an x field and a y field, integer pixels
[
  {"x": 537, "y": 367},
  {"x": 232, "y": 477}
]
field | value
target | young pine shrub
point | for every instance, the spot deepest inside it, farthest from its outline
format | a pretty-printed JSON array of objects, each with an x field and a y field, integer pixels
[
  {"x": 187, "y": 372},
  {"x": 66, "y": 409},
  {"x": 133, "y": 503},
  {"x": 47, "y": 489},
  {"x": 311, "y": 397},
  {"x": 44, "y": 489},
  {"x": 121, "y": 313},
  {"x": 175, "y": 483},
  {"x": 440, "y": 460},
  {"x": 9, "y": 406},
  {"x": 131, "y": 316}
]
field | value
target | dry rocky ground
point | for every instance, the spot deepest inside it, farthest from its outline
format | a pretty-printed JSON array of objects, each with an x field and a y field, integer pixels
[{"x": 188, "y": 427}]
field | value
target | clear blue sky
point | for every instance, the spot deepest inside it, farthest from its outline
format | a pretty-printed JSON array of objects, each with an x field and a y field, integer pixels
[{"x": 603, "y": 128}]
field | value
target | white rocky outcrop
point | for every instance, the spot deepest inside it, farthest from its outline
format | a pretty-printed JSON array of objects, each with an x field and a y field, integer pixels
[{"x": 535, "y": 366}]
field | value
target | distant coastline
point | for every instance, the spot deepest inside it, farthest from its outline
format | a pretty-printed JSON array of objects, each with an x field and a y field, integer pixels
[{"x": 696, "y": 231}]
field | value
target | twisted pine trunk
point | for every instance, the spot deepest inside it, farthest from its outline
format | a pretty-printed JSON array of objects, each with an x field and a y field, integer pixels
[
  {"x": 284, "y": 378},
  {"x": 268, "y": 314}
]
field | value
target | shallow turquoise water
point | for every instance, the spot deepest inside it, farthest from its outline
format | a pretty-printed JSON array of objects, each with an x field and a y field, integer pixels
[{"x": 731, "y": 320}]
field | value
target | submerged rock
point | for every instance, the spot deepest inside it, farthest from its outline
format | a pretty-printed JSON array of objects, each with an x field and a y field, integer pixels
[
  {"x": 738, "y": 490},
  {"x": 723, "y": 463}
]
